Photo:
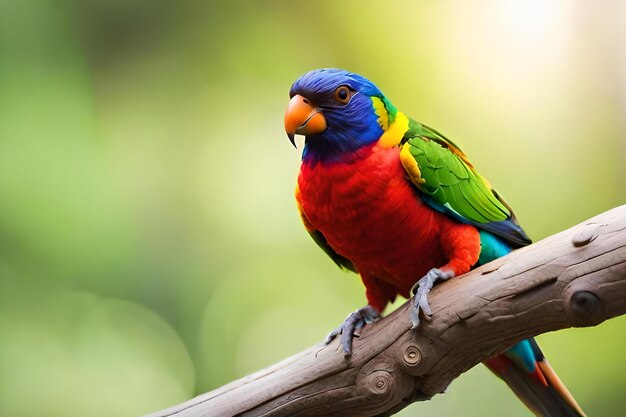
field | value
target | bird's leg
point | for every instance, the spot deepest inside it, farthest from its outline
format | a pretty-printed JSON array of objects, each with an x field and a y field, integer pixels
[
  {"x": 354, "y": 322},
  {"x": 421, "y": 290},
  {"x": 461, "y": 246}
]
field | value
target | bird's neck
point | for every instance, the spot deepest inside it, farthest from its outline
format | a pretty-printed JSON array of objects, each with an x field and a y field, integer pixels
[
  {"x": 319, "y": 151},
  {"x": 341, "y": 147},
  {"x": 327, "y": 151}
]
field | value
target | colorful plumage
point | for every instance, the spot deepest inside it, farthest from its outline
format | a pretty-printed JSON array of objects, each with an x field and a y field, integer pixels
[{"x": 397, "y": 202}]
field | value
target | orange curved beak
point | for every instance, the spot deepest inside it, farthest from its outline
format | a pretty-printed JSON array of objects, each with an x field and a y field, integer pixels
[{"x": 303, "y": 118}]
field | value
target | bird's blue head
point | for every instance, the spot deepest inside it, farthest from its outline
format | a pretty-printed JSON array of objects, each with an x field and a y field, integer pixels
[{"x": 338, "y": 112}]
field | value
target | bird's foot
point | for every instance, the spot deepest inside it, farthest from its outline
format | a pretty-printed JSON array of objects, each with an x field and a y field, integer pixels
[
  {"x": 354, "y": 322},
  {"x": 421, "y": 290}
]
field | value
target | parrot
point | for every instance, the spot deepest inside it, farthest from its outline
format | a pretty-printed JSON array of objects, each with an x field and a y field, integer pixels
[{"x": 401, "y": 205}]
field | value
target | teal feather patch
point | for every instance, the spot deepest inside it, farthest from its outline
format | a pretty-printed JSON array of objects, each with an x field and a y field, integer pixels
[
  {"x": 523, "y": 356},
  {"x": 491, "y": 247}
]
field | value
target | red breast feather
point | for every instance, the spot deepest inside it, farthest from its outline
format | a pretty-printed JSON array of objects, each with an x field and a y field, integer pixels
[{"x": 371, "y": 214}]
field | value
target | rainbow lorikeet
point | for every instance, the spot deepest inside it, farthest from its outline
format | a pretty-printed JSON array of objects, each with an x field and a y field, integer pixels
[{"x": 401, "y": 205}]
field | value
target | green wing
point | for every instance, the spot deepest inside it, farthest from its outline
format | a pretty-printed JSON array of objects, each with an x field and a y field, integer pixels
[{"x": 449, "y": 183}]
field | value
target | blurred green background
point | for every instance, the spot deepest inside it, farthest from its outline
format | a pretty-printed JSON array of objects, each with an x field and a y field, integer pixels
[{"x": 150, "y": 247}]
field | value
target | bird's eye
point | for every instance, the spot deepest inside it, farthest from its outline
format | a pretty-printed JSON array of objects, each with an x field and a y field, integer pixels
[{"x": 342, "y": 94}]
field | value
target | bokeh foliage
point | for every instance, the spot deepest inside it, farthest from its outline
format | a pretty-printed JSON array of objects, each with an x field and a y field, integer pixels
[{"x": 149, "y": 244}]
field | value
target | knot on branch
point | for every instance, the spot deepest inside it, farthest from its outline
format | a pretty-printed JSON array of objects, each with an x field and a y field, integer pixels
[
  {"x": 586, "y": 235},
  {"x": 584, "y": 307},
  {"x": 377, "y": 384},
  {"x": 412, "y": 355},
  {"x": 585, "y": 304}
]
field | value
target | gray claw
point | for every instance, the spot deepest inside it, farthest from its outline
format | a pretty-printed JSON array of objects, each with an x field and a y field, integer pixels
[
  {"x": 424, "y": 285},
  {"x": 355, "y": 321}
]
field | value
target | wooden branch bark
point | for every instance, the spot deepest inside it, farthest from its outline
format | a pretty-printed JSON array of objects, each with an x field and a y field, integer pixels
[{"x": 575, "y": 278}]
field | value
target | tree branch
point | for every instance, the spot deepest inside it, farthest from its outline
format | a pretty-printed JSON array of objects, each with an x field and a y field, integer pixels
[{"x": 575, "y": 278}]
